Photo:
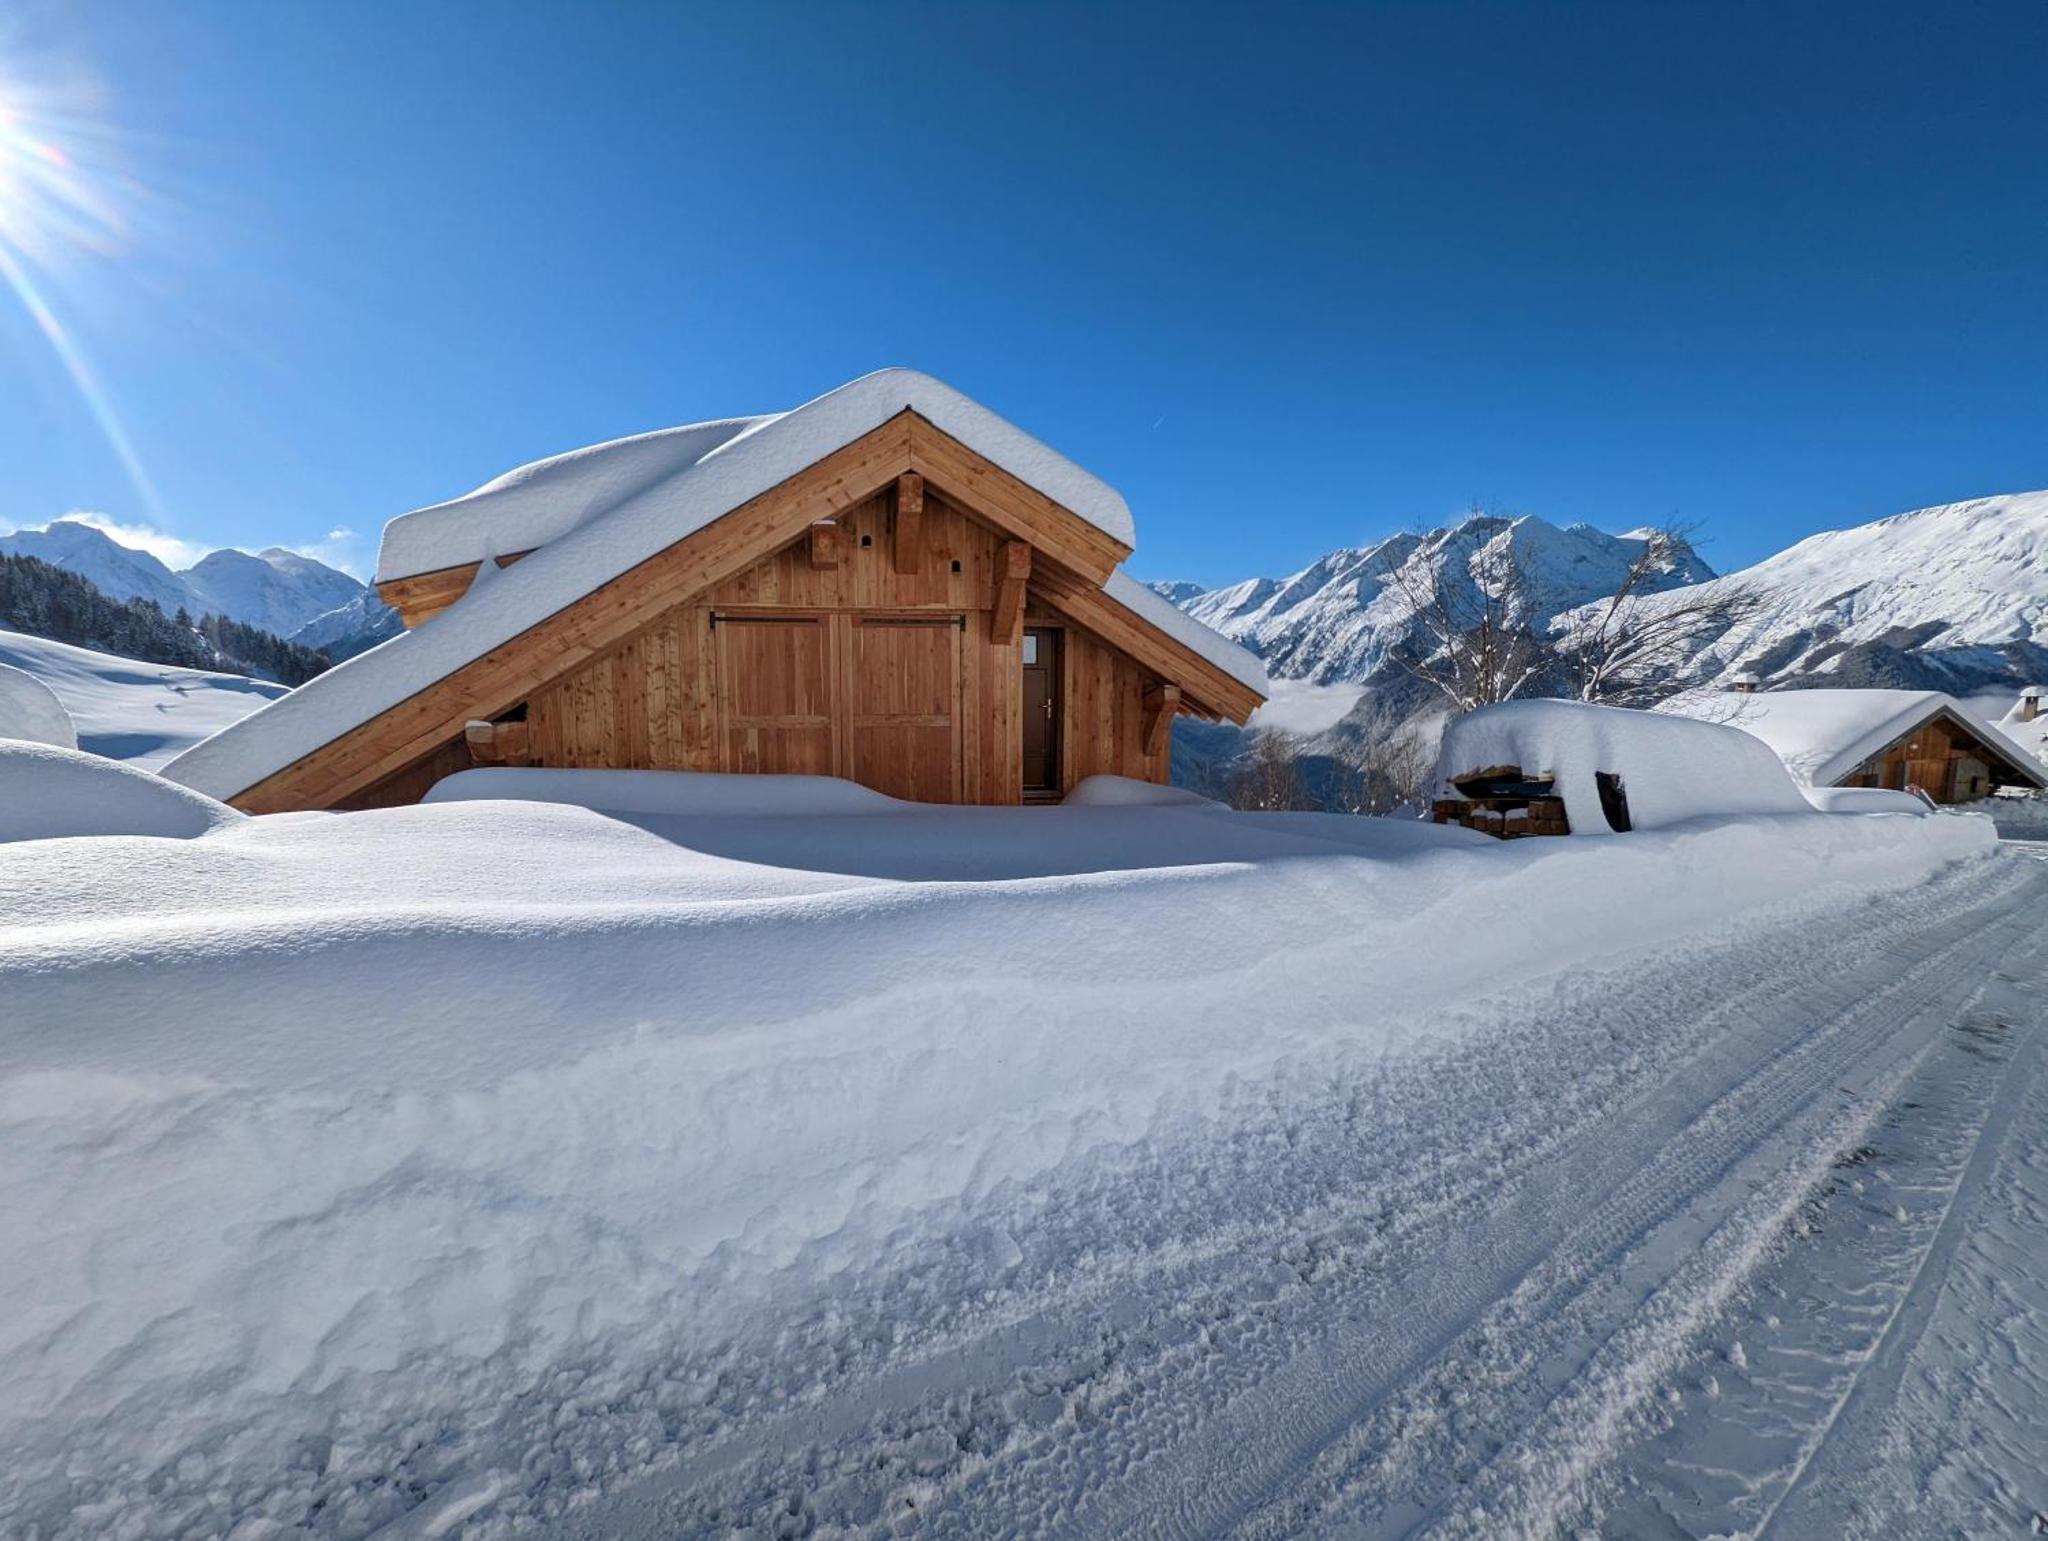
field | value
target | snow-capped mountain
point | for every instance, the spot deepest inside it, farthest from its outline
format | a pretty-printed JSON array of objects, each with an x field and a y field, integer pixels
[
  {"x": 117, "y": 571},
  {"x": 1951, "y": 598},
  {"x": 1339, "y": 617},
  {"x": 276, "y": 589},
  {"x": 293, "y": 596},
  {"x": 1948, "y": 598},
  {"x": 351, "y": 628}
]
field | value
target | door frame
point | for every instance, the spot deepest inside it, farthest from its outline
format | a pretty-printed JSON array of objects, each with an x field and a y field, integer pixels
[{"x": 1055, "y": 754}]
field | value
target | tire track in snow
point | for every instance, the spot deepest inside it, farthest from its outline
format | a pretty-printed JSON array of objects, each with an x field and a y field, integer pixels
[
  {"x": 1210, "y": 1468},
  {"x": 1543, "y": 1480},
  {"x": 1802, "y": 1441}
]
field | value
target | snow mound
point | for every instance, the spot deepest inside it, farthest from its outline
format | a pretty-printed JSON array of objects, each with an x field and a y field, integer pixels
[
  {"x": 1671, "y": 768},
  {"x": 682, "y": 794},
  {"x": 48, "y": 792},
  {"x": 1867, "y": 800},
  {"x": 30, "y": 710},
  {"x": 1127, "y": 792}
]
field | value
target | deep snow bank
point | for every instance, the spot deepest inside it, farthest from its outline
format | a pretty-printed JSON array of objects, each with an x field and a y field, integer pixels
[
  {"x": 336, "y": 1136},
  {"x": 47, "y": 793},
  {"x": 30, "y": 710}
]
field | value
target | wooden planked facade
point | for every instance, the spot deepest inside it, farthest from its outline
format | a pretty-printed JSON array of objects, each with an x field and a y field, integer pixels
[
  {"x": 1942, "y": 757},
  {"x": 867, "y": 619}
]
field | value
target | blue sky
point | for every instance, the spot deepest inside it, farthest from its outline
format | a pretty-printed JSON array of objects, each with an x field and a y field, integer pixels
[{"x": 1290, "y": 276}]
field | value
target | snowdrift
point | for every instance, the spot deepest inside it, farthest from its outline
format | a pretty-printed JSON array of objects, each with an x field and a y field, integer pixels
[
  {"x": 1672, "y": 768},
  {"x": 353, "y": 1159},
  {"x": 679, "y": 794},
  {"x": 47, "y": 793},
  {"x": 30, "y": 710}
]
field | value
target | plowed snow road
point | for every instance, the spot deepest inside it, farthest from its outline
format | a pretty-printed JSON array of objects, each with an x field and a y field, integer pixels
[{"x": 1743, "y": 1240}]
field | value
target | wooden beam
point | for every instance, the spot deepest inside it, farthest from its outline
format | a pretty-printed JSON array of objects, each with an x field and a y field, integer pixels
[
  {"x": 422, "y": 596},
  {"x": 828, "y": 543},
  {"x": 495, "y": 682},
  {"x": 997, "y": 498},
  {"x": 1006, "y": 611},
  {"x": 1204, "y": 687},
  {"x": 1161, "y": 702},
  {"x": 908, "y": 540},
  {"x": 497, "y": 743}
]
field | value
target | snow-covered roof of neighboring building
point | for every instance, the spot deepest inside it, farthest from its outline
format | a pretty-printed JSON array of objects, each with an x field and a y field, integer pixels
[
  {"x": 627, "y": 501},
  {"x": 2030, "y": 736},
  {"x": 1824, "y": 735}
]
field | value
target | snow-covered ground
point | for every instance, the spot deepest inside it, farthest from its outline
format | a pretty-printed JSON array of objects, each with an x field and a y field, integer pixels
[
  {"x": 509, "y": 1167},
  {"x": 144, "y": 713}
]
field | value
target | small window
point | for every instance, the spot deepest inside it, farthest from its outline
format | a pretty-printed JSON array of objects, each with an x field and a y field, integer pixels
[{"x": 1031, "y": 647}]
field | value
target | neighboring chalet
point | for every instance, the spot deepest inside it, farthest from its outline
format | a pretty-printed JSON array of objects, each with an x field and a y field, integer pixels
[
  {"x": 1902, "y": 739},
  {"x": 889, "y": 584}
]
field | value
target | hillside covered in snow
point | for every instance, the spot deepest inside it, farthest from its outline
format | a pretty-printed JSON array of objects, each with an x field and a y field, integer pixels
[
  {"x": 1953, "y": 598},
  {"x": 125, "y": 709}
]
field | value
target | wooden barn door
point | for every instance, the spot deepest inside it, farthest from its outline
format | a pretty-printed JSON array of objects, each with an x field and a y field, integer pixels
[
  {"x": 903, "y": 698},
  {"x": 775, "y": 694}
]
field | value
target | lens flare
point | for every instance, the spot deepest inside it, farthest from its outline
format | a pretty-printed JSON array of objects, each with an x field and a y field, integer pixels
[{"x": 60, "y": 199}]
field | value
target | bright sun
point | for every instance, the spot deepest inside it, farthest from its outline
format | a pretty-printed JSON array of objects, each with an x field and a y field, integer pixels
[
  {"x": 59, "y": 200},
  {"x": 49, "y": 199}
]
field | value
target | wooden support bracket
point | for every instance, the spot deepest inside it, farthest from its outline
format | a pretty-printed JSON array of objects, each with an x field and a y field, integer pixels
[
  {"x": 498, "y": 743},
  {"x": 909, "y": 537},
  {"x": 1006, "y": 614},
  {"x": 1161, "y": 702},
  {"x": 828, "y": 542}
]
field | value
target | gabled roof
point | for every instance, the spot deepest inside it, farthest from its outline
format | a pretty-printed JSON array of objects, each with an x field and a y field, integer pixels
[
  {"x": 677, "y": 474},
  {"x": 625, "y": 502},
  {"x": 1825, "y": 735}
]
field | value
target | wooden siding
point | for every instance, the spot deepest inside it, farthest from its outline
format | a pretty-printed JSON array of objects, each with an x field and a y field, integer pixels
[
  {"x": 1943, "y": 758},
  {"x": 1103, "y": 693}
]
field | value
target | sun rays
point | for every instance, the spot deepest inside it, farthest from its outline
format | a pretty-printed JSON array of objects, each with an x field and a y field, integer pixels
[{"x": 64, "y": 198}]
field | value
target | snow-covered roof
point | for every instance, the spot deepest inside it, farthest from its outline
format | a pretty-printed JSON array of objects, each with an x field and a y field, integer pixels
[
  {"x": 1239, "y": 663},
  {"x": 1824, "y": 735},
  {"x": 676, "y": 477},
  {"x": 628, "y": 501},
  {"x": 2030, "y": 736}
]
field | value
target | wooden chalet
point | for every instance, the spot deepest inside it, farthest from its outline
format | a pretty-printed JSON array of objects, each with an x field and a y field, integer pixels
[
  {"x": 889, "y": 584},
  {"x": 1918, "y": 740}
]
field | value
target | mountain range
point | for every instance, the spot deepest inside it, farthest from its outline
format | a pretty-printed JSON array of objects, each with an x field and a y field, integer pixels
[
  {"x": 296, "y": 597},
  {"x": 1948, "y": 598}
]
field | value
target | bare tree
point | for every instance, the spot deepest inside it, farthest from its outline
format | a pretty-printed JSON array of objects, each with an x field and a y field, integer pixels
[
  {"x": 1269, "y": 778},
  {"x": 1625, "y": 649},
  {"x": 1472, "y": 644},
  {"x": 1383, "y": 764}
]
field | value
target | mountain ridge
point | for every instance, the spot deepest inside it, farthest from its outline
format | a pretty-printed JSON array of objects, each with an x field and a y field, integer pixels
[
  {"x": 1951, "y": 597},
  {"x": 295, "y": 596}
]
